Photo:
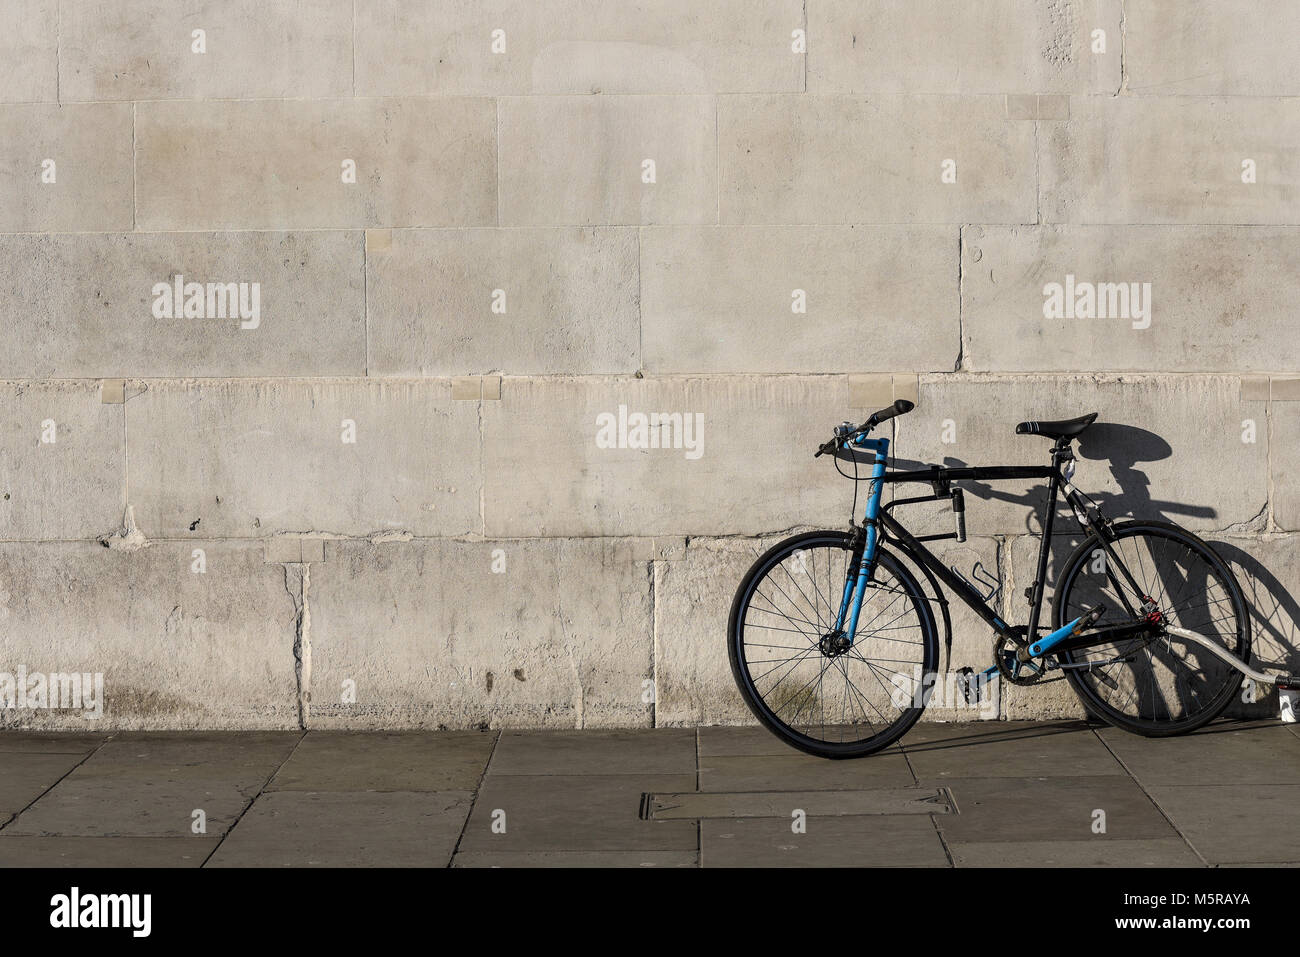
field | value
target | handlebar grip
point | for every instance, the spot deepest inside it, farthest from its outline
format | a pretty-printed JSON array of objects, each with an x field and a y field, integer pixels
[{"x": 900, "y": 407}]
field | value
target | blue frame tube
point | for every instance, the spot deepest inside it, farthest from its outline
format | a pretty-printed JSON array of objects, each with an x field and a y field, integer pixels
[{"x": 865, "y": 569}]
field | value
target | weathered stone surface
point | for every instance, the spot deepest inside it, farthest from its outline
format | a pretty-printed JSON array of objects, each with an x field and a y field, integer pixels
[
  {"x": 29, "y": 41},
  {"x": 1153, "y": 160},
  {"x": 249, "y": 459},
  {"x": 1266, "y": 568},
  {"x": 279, "y": 164},
  {"x": 431, "y": 636},
  {"x": 1162, "y": 447},
  {"x": 62, "y": 461},
  {"x": 1162, "y": 305},
  {"x": 746, "y": 467},
  {"x": 145, "y": 50},
  {"x": 931, "y": 46},
  {"x": 877, "y": 159},
  {"x": 1236, "y": 47},
  {"x": 85, "y": 304},
  {"x": 578, "y": 46},
  {"x": 456, "y": 301},
  {"x": 544, "y": 180},
  {"x": 1284, "y": 463},
  {"x": 177, "y": 648},
  {"x": 722, "y": 298},
  {"x": 65, "y": 167}
]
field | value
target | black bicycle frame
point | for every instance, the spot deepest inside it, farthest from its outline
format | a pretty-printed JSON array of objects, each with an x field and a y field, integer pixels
[{"x": 941, "y": 480}]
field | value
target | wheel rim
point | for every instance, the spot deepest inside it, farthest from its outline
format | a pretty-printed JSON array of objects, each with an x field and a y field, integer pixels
[
  {"x": 1169, "y": 682},
  {"x": 795, "y": 669}
]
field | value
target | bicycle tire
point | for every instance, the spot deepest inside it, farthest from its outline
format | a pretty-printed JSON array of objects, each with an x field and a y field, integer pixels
[
  {"x": 767, "y": 715},
  {"x": 1235, "y": 635}
]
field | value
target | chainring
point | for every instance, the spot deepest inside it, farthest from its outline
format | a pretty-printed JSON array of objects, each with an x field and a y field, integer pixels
[{"x": 1024, "y": 672}]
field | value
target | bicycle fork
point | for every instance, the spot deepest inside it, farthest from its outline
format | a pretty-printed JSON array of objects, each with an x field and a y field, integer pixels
[{"x": 855, "y": 583}]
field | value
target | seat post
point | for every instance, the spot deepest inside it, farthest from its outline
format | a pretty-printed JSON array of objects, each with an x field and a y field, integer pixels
[{"x": 1035, "y": 591}]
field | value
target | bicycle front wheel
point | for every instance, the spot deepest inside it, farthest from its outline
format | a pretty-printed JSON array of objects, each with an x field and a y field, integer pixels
[
  {"x": 1164, "y": 685},
  {"x": 796, "y": 671}
]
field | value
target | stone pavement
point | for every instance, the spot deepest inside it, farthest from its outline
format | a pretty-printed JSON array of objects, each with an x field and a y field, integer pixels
[{"x": 1006, "y": 794}]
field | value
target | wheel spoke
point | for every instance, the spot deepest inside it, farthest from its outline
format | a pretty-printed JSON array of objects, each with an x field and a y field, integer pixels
[
  {"x": 1170, "y": 683},
  {"x": 813, "y": 690}
]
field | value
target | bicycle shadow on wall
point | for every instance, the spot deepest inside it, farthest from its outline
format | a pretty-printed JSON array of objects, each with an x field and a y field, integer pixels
[{"x": 1274, "y": 612}]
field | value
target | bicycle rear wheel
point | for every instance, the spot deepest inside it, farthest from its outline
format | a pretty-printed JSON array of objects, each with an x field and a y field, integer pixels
[
  {"x": 811, "y": 692},
  {"x": 1164, "y": 685}
]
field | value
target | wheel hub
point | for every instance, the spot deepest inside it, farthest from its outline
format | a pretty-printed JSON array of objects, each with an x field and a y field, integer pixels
[{"x": 834, "y": 644}]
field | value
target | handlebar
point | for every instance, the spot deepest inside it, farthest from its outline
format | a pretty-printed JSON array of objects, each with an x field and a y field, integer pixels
[{"x": 900, "y": 407}]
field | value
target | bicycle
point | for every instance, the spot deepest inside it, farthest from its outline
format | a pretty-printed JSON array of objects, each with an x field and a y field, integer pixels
[{"x": 1149, "y": 625}]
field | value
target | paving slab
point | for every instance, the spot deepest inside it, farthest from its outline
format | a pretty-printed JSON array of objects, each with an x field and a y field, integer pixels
[
  {"x": 199, "y": 752},
  {"x": 783, "y": 772},
  {"x": 577, "y": 859},
  {"x": 841, "y": 802},
  {"x": 1159, "y": 852},
  {"x": 386, "y": 761},
  {"x": 575, "y": 813},
  {"x": 664, "y": 751},
  {"x": 1051, "y": 809},
  {"x": 741, "y": 742},
  {"x": 352, "y": 829},
  {"x": 139, "y": 805},
  {"x": 112, "y": 852},
  {"x": 828, "y": 842},
  {"x": 50, "y": 742},
  {"x": 24, "y": 777},
  {"x": 150, "y": 785},
  {"x": 1239, "y": 823},
  {"x": 1225, "y": 752},
  {"x": 1006, "y": 749},
  {"x": 1262, "y": 864}
]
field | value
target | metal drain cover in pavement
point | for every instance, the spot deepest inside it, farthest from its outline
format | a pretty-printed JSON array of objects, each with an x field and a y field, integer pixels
[{"x": 694, "y": 805}]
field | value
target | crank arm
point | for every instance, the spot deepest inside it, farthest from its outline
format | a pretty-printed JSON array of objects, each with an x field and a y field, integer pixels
[{"x": 1096, "y": 636}]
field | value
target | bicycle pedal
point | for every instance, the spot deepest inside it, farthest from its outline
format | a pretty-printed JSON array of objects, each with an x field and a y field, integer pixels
[{"x": 967, "y": 685}]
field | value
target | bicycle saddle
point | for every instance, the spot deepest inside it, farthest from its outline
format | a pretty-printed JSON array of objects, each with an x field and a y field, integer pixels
[{"x": 1060, "y": 429}]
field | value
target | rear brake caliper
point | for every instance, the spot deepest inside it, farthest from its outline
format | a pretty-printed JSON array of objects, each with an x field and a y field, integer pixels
[{"x": 1150, "y": 612}]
